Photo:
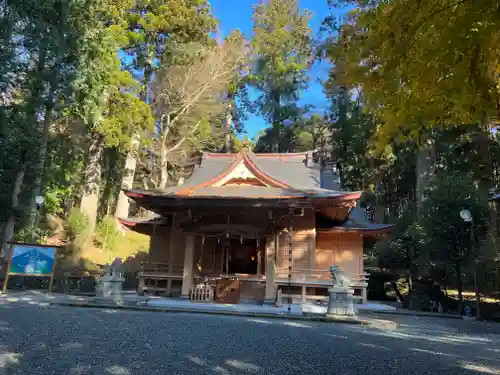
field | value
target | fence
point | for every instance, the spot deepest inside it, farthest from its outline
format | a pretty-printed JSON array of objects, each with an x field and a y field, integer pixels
[{"x": 202, "y": 293}]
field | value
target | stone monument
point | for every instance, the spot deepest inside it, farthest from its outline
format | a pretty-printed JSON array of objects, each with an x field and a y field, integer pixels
[
  {"x": 109, "y": 285},
  {"x": 340, "y": 295}
]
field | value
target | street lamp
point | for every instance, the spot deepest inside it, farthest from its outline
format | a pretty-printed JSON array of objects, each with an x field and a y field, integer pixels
[
  {"x": 39, "y": 200},
  {"x": 467, "y": 217}
]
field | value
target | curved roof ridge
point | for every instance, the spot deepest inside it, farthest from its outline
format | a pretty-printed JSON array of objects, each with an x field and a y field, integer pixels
[
  {"x": 279, "y": 155},
  {"x": 265, "y": 177},
  {"x": 219, "y": 155}
]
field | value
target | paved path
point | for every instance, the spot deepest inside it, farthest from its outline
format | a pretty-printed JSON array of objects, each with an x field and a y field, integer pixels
[{"x": 47, "y": 340}]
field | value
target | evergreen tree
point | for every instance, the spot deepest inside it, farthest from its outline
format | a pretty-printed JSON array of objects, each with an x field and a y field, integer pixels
[{"x": 282, "y": 53}]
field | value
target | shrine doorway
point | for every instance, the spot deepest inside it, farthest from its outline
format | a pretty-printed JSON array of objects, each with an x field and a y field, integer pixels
[{"x": 242, "y": 257}]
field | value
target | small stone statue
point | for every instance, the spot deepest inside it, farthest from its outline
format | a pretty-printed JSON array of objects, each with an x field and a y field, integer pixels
[
  {"x": 110, "y": 284},
  {"x": 340, "y": 295},
  {"x": 338, "y": 277},
  {"x": 117, "y": 267},
  {"x": 107, "y": 270},
  {"x": 334, "y": 270}
]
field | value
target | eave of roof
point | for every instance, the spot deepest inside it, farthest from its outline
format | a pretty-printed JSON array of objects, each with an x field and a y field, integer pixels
[
  {"x": 134, "y": 221},
  {"x": 247, "y": 193},
  {"x": 373, "y": 231}
]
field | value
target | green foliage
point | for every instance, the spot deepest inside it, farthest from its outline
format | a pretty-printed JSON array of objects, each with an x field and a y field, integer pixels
[
  {"x": 78, "y": 224},
  {"x": 30, "y": 234},
  {"x": 281, "y": 48},
  {"x": 106, "y": 234},
  {"x": 105, "y": 94},
  {"x": 421, "y": 65},
  {"x": 156, "y": 31},
  {"x": 406, "y": 248},
  {"x": 243, "y": 144},
  {"x": 449, "y": 235}
]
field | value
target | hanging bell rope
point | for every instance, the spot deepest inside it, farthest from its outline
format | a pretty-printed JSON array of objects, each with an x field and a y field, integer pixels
[{"x": 201, "y": 253}]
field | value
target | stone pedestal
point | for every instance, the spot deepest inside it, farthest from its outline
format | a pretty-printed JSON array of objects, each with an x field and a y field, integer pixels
[
  {"x": 340, "y": 302},
  {"x": 109, "y": 287}
]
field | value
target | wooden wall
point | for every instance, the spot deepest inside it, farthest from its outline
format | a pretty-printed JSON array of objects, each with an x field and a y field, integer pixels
[
  {"x": 159, "y": 245},
  {"x": 207, "y": 256},
  {"x": 162, "y": 240},
  {"x": 303, "y": 243},
  {"x": 341, "y": 249}
]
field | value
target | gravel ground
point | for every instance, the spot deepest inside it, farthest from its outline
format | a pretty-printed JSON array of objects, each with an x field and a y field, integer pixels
[{"x": 57, "y": 340}]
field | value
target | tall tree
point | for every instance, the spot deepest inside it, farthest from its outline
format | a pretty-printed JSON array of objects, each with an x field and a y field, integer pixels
[
  {"x": 157, "y": 32},
  {"x": 191, "y": 100},
  {"x": 441, "y": 220},
  {"x": 424, "y": 65},
  {"x": 282, "y": 53},
  {"x": 42, "y": 45},
  {"x": 105, "y": 98}
]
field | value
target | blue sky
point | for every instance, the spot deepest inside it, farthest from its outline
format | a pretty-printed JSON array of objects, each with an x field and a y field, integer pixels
[{"x": 237, "y": 14}]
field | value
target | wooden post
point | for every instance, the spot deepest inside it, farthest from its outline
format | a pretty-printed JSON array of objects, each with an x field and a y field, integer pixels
[
  {"x": 272, "y": 243},
  {"x": 51, "y": 282},
  {"x": 187, "y": 276},
  {"x": 7, "y": 272},
  {"x": 259, "y": 262},
  {"x": 312, "y": 249},
  {"x": 171, "y": 256}
]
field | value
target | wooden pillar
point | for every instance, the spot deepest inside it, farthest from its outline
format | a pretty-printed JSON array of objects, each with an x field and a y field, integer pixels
[
  {"x": 259, "y": 261},
  {"x": 312, "y": 249},
  {"x": 271, "y": 247},
  {"x": 364, "y": 291},
  {"x": 187, "y": 276},
  {"x": 171, "y": 255}
]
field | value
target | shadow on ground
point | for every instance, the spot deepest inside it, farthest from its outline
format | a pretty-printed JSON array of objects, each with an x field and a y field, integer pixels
[{"x": 39, "y": 339}]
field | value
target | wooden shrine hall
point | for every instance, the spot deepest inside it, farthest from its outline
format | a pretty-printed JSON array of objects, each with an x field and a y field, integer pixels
[{"x": 253, "y": 227}]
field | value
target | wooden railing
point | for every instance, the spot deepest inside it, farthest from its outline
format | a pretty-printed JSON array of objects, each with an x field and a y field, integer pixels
[
  {"x": 323, "y": 276},
  {"x": 157, "y": 277},
  {"x": 302, "y": 275},
  {"x": 203, "y": 293},
  {"x": 162, "y": 270},
  {"x": 315, "y": 277}
]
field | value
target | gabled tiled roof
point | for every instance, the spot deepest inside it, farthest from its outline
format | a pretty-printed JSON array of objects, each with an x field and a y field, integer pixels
[
  {"x": 289, "y": 168},
  {"x": 287, "y": 176},
  {"x": 356, "y": 221}
]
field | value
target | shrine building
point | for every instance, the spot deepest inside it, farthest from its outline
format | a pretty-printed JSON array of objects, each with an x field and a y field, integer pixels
[{"x": 253, "y": 227}]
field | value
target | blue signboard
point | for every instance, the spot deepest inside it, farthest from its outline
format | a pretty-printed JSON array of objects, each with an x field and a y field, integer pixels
[{"x": 32, "y": 260}]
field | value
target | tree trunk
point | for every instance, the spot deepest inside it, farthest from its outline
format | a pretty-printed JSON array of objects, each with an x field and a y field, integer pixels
[
  {"x": 9, "y": 226},
  {"x": 111, "y": 161},
  {"x": 163, "y": 169},
  {"x": 458, "y": 270},
  {"x": 123, "y": 204},
  {"x": 42, "y": 157},
  {"x": 276, "y": 122},
  {"x": 379, "y": 201},
  {"x": 92, "y": 180},
  {"x": 229, "y": 121},
  {"x": 424, "y": 170}
]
